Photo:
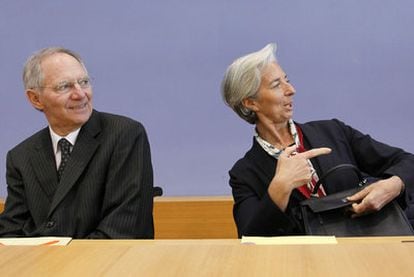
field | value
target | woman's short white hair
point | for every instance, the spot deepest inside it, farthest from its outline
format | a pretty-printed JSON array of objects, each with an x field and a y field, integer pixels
[{"x": 242, "y": 80}]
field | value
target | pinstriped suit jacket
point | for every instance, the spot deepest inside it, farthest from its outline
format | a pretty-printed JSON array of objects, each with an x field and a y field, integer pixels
[{"x": 105, "y": 190}]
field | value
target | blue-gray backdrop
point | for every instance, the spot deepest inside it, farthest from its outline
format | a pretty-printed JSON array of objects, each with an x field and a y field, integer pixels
[{"x": 161, "y": 62}]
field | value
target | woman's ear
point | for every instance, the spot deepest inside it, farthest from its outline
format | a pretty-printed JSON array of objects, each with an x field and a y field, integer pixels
[
  {"x": 250, "y": 104},
  {"x": 34, "y": 99}
]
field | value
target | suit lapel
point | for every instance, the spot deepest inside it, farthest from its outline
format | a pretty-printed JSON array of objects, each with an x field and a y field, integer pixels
[
  {"x": 43, "y": 162},
  {"x": 85, "y": 146},
  {"x": 262, "y": 160},
  {"x": 267, "y": 165},
  {"x": 316, "y": 140}
]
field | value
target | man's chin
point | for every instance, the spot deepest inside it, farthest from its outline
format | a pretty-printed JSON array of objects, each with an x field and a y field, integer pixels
[{"x": 81, "y": 117}]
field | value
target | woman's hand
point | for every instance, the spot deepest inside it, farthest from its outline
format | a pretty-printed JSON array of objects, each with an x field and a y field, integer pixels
[
  {"x": 375, "y": 196},
  {"x": 292, "y": 171}
]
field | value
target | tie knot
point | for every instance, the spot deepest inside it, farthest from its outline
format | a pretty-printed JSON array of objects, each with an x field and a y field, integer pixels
[{"x": 64, "y": 145}]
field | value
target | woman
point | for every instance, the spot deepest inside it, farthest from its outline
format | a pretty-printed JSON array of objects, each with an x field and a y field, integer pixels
[{"x": 287, "y": 158}]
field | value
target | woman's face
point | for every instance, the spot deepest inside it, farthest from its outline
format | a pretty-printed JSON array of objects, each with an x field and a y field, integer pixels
[{"x": 274, "y": 102}]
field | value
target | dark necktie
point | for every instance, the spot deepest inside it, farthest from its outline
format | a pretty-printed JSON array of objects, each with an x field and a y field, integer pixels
[{"x": 64, "y": 146}]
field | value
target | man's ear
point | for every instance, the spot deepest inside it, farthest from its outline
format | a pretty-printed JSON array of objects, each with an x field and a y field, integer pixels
[
  {"x": 250, "y": 104},
  {"x": 33, "y": 97}
]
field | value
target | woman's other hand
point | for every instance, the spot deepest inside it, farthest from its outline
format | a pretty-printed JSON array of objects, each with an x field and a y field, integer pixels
[{"x": 375, "y": 196}]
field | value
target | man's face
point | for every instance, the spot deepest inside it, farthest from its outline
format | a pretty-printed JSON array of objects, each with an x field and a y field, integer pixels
[{"x": 66, "y": 94}]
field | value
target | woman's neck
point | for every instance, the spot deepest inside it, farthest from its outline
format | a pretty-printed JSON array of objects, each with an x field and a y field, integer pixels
[{"x": 276, "y": 134}]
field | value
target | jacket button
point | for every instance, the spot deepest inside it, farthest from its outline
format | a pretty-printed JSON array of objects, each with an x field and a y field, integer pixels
[{"x": 50, "y": 224}]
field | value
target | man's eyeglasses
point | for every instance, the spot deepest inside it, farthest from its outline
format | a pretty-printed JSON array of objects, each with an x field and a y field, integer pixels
[{"x": 67, "y": 86}]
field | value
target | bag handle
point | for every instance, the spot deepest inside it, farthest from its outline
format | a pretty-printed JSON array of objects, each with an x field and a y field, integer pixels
[{"x": 362, "y": 181}]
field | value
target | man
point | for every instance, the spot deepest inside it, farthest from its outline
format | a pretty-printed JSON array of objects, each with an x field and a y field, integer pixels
[{"x": 95, "y": 184}]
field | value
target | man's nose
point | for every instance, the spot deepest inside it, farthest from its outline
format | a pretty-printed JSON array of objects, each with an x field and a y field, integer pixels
[{"x": 77, "y": 91}]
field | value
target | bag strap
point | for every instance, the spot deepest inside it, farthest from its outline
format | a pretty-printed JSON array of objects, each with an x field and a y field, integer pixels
[{"x": 362, "y": 181}]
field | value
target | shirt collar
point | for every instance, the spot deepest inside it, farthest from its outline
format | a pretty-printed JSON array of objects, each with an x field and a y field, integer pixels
[{"x": 71, "y": 137}]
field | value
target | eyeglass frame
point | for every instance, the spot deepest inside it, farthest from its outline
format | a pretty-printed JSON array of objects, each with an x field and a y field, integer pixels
[{"x": 65, "y": 87}]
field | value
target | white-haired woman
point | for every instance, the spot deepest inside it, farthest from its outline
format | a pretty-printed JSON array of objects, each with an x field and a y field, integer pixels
[{"x": 287, "y": 157}]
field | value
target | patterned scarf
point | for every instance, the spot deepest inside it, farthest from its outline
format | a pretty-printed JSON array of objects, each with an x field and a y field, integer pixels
[{"x": 297, "y": 136}]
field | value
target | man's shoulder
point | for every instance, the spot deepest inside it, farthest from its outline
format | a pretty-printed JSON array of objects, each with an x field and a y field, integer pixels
[
  {"x": 114, "y": 125},
  {"x": 31, "y": 141},
  {"x": 116, "y": 120}
]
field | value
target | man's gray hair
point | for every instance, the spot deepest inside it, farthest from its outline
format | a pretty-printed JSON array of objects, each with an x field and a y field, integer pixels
[
  {"x": 32, "y": 71},
  {"x": 242, "y": 80}
]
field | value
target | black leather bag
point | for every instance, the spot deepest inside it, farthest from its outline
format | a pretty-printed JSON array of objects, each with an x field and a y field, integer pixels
[{"x": 329, "y": 215}]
